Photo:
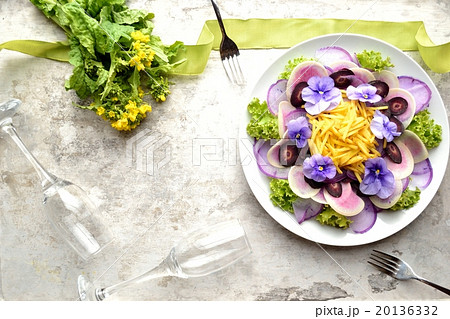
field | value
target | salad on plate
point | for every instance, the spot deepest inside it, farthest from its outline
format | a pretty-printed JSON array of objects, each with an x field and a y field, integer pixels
[{"x": 341, "y": 138}]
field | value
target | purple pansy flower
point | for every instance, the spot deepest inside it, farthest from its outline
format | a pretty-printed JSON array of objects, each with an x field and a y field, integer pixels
[
  {"x": 320, "y": 95},
  {"x": 378, "y": 180},
  {"x": 381, "y": 127},
  {"x": 319, "y": 168},
  {"x": 364, "y": 92},
  {"x": 299, "y": 131}
]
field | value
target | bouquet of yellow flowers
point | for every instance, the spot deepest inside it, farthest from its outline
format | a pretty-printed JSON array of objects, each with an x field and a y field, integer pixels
[{"x": 116, "y": 58}]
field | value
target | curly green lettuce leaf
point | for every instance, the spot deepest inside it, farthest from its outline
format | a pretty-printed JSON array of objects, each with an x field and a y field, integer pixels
[
  {"x": 263, "y": 124},
  {"x": 373, "y": 60},
  {"x": 429, "y": 132},
  {"x": 290, "y": 66},
  {"x": 282, "y": 195},
  {"x": 332, "y": 218},
  {"x": 408, "y": 199}
]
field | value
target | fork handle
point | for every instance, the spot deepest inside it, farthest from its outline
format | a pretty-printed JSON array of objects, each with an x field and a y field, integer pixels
[
  {"x": 432, "y": 284},
  {"x": 219, "y": 17}
]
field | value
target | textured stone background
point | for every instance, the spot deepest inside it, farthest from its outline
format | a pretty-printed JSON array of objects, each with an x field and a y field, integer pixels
[{"x": 149, "y": 212}]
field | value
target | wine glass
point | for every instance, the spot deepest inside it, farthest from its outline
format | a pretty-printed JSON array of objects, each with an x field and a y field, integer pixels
[
  {"x": 202, "y": 252},
  {"x": 68, "y": 207}
]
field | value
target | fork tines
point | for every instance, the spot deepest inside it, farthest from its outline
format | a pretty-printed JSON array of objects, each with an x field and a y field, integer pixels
[
  {"x": 233, "y": 69},
  {"x": 383, "y": 262}
]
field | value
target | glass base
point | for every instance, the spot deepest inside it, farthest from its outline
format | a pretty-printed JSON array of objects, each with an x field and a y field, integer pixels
[
  {"x": 8, "y": 109},
  {"x": 86, "y": 290}
]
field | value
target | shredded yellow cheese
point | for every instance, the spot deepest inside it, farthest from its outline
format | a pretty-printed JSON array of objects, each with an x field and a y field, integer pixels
[{"x": 344, "y": 135}]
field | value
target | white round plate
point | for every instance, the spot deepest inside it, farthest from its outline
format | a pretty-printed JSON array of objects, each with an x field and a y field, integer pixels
[{"x": 388, "y": 223}]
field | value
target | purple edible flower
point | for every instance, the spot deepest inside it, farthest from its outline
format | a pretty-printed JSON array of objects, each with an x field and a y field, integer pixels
[
  {"x": 364, "y": 92},
  {"x": 378, "y": 180},
  {"x": 320, "y": 95},
  {"x": 299, "y": 131},
  {"x": 319, "y": 168},
  {"x": 381, "y": 127}
]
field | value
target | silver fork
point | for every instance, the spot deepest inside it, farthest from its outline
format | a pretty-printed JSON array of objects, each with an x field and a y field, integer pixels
[
  {"x": 229, "y": 52},
  {"x": 398, "y": 269}
]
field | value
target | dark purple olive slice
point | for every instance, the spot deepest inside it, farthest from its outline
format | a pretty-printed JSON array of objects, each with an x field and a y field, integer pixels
[
  {"x": 296, "y": 97},
  {"x": 288, "y": 154},
  {"x": 396, "y": 121},
  {"x": 397, "y": 105},
  {"x": 382, "y": 87},
  {"x": 393, "y": 152},
  {"x": 313, "y": 183},
  {"x": 334, "y": 189},
  {"x": 342, "y": 78}
]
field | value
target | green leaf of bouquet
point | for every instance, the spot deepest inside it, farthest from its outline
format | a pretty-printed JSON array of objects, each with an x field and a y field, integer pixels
[{"x": 131, "y": 16}]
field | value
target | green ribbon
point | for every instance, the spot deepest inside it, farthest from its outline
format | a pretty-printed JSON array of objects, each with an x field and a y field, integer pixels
[{"x": 276, "y": 33}]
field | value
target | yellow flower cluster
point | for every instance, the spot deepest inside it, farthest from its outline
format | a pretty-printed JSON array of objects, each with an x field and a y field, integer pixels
[
  {"x": 132, "y": 117},
  {"x": 124, "y": 118},
  {"x": 142, "y": 53}
]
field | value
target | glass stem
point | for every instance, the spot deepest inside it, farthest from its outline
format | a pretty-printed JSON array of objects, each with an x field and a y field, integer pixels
[
  {"x": 46, "y": 178},
  {"x": 162, "y": 270}
]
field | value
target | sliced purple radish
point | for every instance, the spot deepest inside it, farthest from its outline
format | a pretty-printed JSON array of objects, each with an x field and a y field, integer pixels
[
  {"x": 260, "y": 150},
  {"x": 408, "y": 115},
  {"x": 365, "y": 220},
  {"x": 418, "y": 150},
  {"x": 348, "y": 204},
  {"x": 405, "y": 168},
  {"x": 298, "y": 184},
  {"x": 344, "y": 64},
  {"x": 331, "y": 54},
  {"x": 418, "y": 89},
  {"x": 305, "y": 209},
  {"x": 422, "y": 175},
  {"x": 320, "y": 198},
  {"x": 275, "y": 95},
  {"x": 391, "y": 200},
  {"x": 329, "y": 70},
  {"x": 283, "y": 110},
  {"x": 302, "y": 73},
  {"x": 388, "y": 77},
  {"x": 405, "y": 183},
  {"x": 363, "y": 74}
]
